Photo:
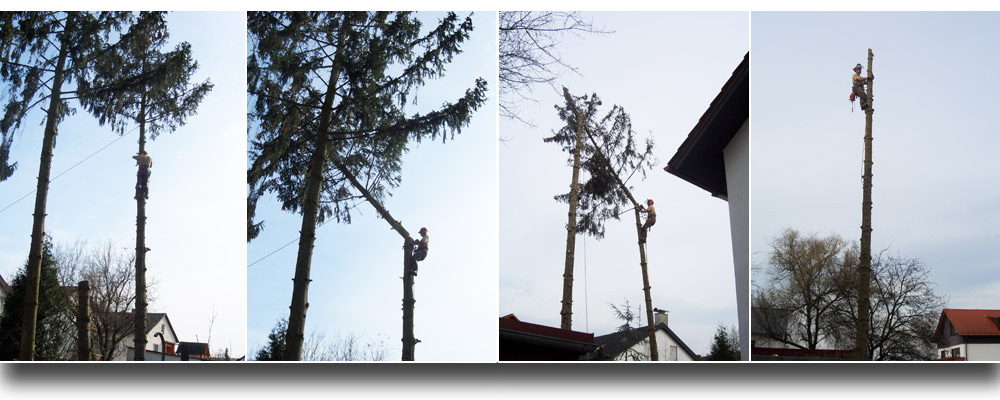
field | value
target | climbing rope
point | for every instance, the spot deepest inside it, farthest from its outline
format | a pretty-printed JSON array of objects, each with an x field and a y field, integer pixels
[{"x": 70, "y": 168}]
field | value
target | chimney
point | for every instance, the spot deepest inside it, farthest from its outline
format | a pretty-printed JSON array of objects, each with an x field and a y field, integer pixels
[{"x": 660, "y": 317}]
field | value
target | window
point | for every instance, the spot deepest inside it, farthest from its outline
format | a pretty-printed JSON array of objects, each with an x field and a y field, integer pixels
[
  {"x": 156, "y": 347},
  {"x": 956, "y": 352},
  {"x": 673, "y": 353}
]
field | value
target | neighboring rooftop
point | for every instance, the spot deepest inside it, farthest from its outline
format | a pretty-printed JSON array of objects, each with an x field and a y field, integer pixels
[
  {"x": 524, "y": 341},
  {"x": 968, "y": 322},
  {"x": 615, "y": 343}
]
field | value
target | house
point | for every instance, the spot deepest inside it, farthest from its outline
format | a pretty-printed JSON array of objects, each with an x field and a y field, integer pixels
[
  {"x": 523, "y": 341},
  {"x": 633, "y": 345},
  {"x": 155, "y": 347},
  {"x": 4, "y": 291},
  {"x": 968, "y": 335},
  {"x": 716, "y": 157},
  {"x": 769, "y": 329}
]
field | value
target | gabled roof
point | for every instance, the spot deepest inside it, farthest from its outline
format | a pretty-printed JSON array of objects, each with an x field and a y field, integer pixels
[
  {"x": 699, "y": 160},
  {"x": 614, "y": 344},
  {"x": 151, "y": 320},
  {"x": 970, "y": 322}
]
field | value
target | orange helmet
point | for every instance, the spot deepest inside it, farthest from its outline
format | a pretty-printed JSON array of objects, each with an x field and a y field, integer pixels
[
  {"x": 423, "y": 230},
  {"x": 857, "y": 67},
  {"x": 649, "y": 201}
]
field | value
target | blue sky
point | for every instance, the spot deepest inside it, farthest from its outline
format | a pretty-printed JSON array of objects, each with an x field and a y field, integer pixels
[
  {"x": 664, "y": 69},
  {"x": 935, "y": 138},
  {"x": 196, "y": 235},
  {"x": 356, "y": 268}
]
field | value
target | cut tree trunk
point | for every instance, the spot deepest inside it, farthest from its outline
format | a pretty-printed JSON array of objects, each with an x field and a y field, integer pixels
[
  {"x": 864, "y": 266},
  {"x": 566, "y": 314},
  {"x": 83, "y": 348}
]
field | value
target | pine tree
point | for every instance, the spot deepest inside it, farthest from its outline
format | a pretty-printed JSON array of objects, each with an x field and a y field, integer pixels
[
  {"x": 725, "y": 345},
  {"x": 609, "y": 151},
  {"x": 51, "y": 341},
  {"x": 328, "y": 92},
  {"x": 137, "y": 83},
  {"x": 275, "y": 349},
  {"x": 38, "y": 51}
]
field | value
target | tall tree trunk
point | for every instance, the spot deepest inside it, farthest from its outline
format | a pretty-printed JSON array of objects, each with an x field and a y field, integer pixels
[
  {"x": 566, "y": 314},
  {"x": 139, "y": 336},
  {"x": 864, "y": 267},
  {"x": 34, "y": 269},
  {"x": 409, "y": 341},
  {"x": 310, "y": 210},
  {"x": 650, "y": 325},
  {"x": 83, "y": 349}
]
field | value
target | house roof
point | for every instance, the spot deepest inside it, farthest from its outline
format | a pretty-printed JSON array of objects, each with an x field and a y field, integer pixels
[
  {"x": 523, "y": 341},
  {"x": 699, "y": 160},
  {"x": 151, "y": 320},
  {"x": 614, "y": 344},
  {"x": 968, "y": 322},
  {"x": 192, "y": 348}
]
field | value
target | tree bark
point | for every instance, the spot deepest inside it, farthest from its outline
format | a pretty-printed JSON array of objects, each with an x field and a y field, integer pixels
[
  {"x": 566, "y": 314},
  {"x": 139, "y": 336},
  {"x": 409, "y": 341},
  {"x": 33, "y": 276},
  {"x": 864, "y": 267},
  {"x": 310, "y": 210},
  {"x": 83, "y": 349}
]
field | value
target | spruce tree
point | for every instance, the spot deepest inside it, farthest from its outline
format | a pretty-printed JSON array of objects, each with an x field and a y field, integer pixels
[
  {"x": 137, "y": 83},
  {"x": 328, "y": 91},
  {"x": 608, "y": 150},
  {"x": 275, "y": 348},
  {"x": 52, "y": 343},
  {"x": 43, "y": 54}
]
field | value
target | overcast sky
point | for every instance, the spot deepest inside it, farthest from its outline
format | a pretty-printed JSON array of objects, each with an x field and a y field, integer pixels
[
  {"x": 449, "y": 188},
  {"x": 664, "y": 69},
  {"x": 194, "y": 228},
  {"x": 935, "y": 138}
]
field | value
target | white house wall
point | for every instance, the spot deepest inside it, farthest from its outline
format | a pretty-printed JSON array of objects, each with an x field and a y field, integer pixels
[
  {"x": 982, "y": 351},
  {"x": 737, "y": 158},
  {"x": 663, "y": 345}
]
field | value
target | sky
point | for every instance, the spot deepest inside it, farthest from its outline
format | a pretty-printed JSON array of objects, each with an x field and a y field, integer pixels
[
  {"x": 664, "y": 69},
  {"x": 356, "y": 271},
  {"x": 935, "y": 134},
  {"x": 196, "y": 235}
]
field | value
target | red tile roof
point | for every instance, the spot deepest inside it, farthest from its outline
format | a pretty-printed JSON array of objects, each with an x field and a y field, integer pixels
[
  {"x": 510, "y": 322},
  {"x": 973, "y": 322}
]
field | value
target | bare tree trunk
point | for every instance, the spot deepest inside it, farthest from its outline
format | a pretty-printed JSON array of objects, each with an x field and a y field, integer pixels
[
  {"x": 34, "y": 269},
  {"x": 864, "y": 267},
  {"x": 139, "y": 335},
  {"x": 651, "y": 328},
  {"x": 409, "y": 263},
  {"x": 566, "y": 314},
  {"x": 310, "y": 210},
  {"x": 83, "y": 352}
]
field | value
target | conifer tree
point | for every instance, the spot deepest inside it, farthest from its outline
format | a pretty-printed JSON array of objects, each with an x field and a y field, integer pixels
[
  {"x": 609, "y": 150},
  {"x": 42, "y": 55},
  {"x": 137, "y": 83},
  {"x": 51, "y": 342},
  {"x": 328, "y": 91}
]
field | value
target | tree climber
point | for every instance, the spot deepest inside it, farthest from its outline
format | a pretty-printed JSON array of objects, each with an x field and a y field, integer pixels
[
  {"x": 858, "y": 87},
  {"x": 650, "y": 219},
  {"x": 420, "y": 252},
  {"x": 145, "y": 162}
]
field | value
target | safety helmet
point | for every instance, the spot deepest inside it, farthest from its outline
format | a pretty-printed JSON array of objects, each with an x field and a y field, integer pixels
[
  {"x": 857, "y": 67},
  {"x": 423, "y": 230},
  {"x": 649, "y": 201},
  {"x": 143, "y": 152}
]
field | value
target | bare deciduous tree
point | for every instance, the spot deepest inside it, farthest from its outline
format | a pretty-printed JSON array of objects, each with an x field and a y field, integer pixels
[
  {"x": 108, "y": 266},
  {"x": 528, "y": 54}
]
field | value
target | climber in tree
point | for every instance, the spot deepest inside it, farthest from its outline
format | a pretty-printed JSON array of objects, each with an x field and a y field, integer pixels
[
  {"x": 858, "y": 87},
  {"x": 420, "y": 252},
  {"x": 650, "y": 212},
  {"x": 145, "y": 162}
]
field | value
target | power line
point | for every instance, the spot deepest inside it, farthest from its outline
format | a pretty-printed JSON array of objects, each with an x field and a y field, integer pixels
[
  {"x": 279, "y": 249},
  {"x": 68, "y": 169}
]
